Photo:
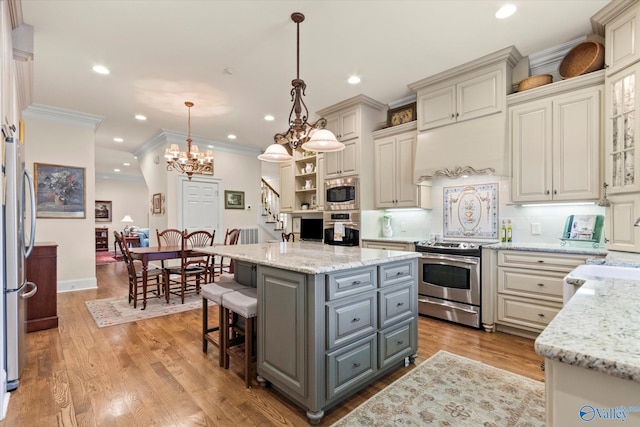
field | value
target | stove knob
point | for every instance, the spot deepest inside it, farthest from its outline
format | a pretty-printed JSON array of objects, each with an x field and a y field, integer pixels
[
  {"x": 472, "y": 246},
  {"x": 464, "y": 245}
]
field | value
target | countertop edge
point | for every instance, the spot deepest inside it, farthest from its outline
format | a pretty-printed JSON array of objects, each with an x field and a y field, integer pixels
[{"x": 545, "y": 247}]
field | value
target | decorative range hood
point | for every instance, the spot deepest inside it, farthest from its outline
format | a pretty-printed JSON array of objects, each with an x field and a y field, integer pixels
[{"x": 474, "y": 147}]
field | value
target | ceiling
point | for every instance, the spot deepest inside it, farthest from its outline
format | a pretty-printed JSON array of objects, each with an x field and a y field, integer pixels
[{"x": 235, "y": 59}]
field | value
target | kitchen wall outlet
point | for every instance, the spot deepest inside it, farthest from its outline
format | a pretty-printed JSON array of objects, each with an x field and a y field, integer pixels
[
  {"x": 403, "y": 226},
  {"x": 536, "y": 229}
]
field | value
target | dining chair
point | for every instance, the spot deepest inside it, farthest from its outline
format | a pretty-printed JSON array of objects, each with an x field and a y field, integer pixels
[
  {"x": 169, "y": 237},
  {"x": 231, "y": 237},
  {"x": 194, "y": 269},
  {"x": 136, "y": 288},
  {"x": 290, "y": 237}
]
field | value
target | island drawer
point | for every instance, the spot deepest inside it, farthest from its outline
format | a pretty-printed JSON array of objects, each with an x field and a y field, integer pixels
[
  {"x": 350, "y": 282},
  {"x": 523, "y": 312},
  {"x": 396, "y": 343},
  {"x": 540, "y": 260},
  {"x": 397, "y": 303},
  {"x": 350, "y": 365},
  {"x": 396, "y": 272},
  {"x": 531, "y": 283},
  {"x": 350, "y": 318}
]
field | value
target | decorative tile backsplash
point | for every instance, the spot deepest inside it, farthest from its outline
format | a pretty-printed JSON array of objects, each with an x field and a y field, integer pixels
[{"x": 471, "y": 211}]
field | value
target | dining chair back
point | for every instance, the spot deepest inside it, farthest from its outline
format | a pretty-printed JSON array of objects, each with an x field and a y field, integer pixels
[
  {"x": 169, "y": 237},
  {"x": 136, "y": 288},
  {"x": 231, "y": 237},
  {"x": 288, "y": 237},
  {"x": 194, "y": 269}
]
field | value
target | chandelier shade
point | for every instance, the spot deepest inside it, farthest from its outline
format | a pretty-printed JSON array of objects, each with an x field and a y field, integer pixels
[
  {"x": 275, "y": 153},
  {"x": 192, "y": 161},
  {"x": 322, "y": 140},
  {"x": 300, "y": 129}
]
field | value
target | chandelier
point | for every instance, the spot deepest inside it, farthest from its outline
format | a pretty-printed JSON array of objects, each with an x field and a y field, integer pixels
[
  {"x": 309, "y": 136},
  {"x": 192, "y": 161}
]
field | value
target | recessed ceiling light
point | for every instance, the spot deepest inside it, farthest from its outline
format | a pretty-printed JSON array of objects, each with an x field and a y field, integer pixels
[
  {"x": 118, "y": 139},
  {"x": 506, "y": 11},
  {"x": 116, "y": 170},
  {"x": 354, "y": 80},
  {"x": 231, "y": 136},
  {"x": 269, "y": 118},
  {"x": 126, "y": 164},
  {"x": 140, "y": 117},
  {"x": 100, "y": 69}
]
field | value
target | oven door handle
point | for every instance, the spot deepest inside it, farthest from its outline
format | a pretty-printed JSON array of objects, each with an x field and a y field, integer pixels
[
  {"x": 464, "y": 260},
  {"x": 448, "y": 306}
]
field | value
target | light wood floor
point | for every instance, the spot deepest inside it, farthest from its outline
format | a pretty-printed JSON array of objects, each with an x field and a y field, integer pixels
[{"x": 155, "y": 373}]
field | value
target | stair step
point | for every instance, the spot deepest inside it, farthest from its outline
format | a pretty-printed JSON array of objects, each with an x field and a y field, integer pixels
[
  {"x": 271, "y": 222},
  {"x": 278, "y": 229}
]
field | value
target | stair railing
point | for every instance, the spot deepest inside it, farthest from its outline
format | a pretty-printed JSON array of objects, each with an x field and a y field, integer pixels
[{"x": 271, "y": 205}]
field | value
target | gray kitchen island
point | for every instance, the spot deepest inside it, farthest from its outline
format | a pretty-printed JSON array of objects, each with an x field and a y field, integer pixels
[{"x": 331, "y": 319}]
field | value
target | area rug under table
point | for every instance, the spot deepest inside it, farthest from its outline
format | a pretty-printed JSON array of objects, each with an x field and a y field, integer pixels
[
  {"x": 117, "y": 310},
  {"x": 451, "y": 390}
]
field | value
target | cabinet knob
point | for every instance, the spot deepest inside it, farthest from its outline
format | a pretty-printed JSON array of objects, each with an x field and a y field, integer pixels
[
  {"x": 546, "y": 192},
  {"x": 606, "y": 240},
  {"x": 457, "y": 114},
  {"x": 400, "y": 304},
  {"x": 555, "y": 191},
  {"x": 355, "y": 319},
  {"x": 400, "y": 342},
  {"x": 356, "y": 365},
  {"x": 452, "y": 115}
]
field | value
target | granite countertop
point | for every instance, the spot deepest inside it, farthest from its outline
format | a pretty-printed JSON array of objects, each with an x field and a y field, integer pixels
[
  {"x": 396, "y": 239},
  {"x": 308, "y": 257},
  {"x": 598, "y": 329},
  {"x": 620, "y": 259},
  {"x": 548, "y": 247}
]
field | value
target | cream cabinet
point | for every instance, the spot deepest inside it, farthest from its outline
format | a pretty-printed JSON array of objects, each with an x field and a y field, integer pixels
[
  {"x": 529, "y": 288},
  {"x": 620, "y": 234},
  {"x": 622, "y": 157},
  {"x": 555, "y": 139},
  {"x": 466, "y": 99},
  {"x": 306, "y": 180},
  {"x": 320, "y": 181},
  {"x": 345, "y": 125},
  {"x": 343, "y": 163},
  {"x": 287, "y": 187},
  {"x": 389, "y": 245},
  {"x": 622, "y": 37},
  {"x": 394, "y": 153}
]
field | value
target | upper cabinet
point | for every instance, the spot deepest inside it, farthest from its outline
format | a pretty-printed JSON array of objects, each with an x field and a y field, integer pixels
[
  {"x": 555, "y": 138},
  {"x": 287, "y": 187},
  {"x": 466, "y": 92},
  {"x": 622, "y": 37},
  {"x": 353, "y": 121},
  {"x": 467, "y": 99},
  {"x": 394, "y": 150}
]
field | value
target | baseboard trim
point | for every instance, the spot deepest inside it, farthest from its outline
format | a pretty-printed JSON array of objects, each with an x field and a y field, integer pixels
[{"x": 77, "y": 285}]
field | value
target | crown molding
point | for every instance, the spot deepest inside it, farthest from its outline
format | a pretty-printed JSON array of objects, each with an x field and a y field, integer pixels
[
  {"x": 62, "y": 116},
  {"x": 119, "y": 177}
]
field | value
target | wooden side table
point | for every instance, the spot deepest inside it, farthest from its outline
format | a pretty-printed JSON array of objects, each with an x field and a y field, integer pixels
[
  {"x": 41, "y": 269},
  {"x": 132, "y": 241}
]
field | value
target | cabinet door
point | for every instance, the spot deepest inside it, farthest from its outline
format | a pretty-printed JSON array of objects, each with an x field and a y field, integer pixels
[
  {"x": 332, "y": 163},
  {"x": 531, "y": 134},
  {"x": 576, "y": 148},
  {"x": 406, "y": 190},
  {"x": 621, "y": 161},
  {"x": 620, "y": 234},
  {"x": 350, "y": 124},
  {"x": 480, "y": 96},
  {"x": 333, "y": 124},
  {"x": 287, "y": 187},
  {"x": 437, "y": 108},
  {"x": 623, "y": 41},
  {"x": 350, "y": 158},
  {"x": 385, "y": 172}
]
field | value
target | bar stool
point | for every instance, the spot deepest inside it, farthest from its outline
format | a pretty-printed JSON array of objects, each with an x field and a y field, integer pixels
[
  {"x": 242, "y": 303},
  {"x": 213, "y": 292}
]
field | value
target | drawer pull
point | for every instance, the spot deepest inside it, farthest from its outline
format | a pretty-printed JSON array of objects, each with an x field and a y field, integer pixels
[
  {"x": 540, "y": 314},
  {"x": 355, "y": 319},
  {"x": 400, "y": 304},
  {"x": 540, "y": 284},
  {"x": 399, "y": 273},
  {"x": 400, "y": 342},
  {"x": 356, "y": 282},
  {"x": 356, "y": 365},
  {"x": 540, "y": 261}
]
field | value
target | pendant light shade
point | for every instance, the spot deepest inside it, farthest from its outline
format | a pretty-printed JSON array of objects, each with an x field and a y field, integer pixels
[
  {"x": 275, "y": 153},
  {"x": 323, "y": 140}
]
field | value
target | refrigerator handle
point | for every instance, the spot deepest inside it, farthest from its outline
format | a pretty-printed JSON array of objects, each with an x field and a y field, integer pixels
[
  {"x": 32, "y": 198},
  {"x": 32, "y": 291}
]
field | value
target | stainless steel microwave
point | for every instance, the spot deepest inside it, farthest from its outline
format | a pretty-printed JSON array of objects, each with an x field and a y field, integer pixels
[{"x": 342, "y": 194}]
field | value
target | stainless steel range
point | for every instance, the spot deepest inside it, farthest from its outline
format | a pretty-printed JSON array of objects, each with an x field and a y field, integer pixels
[{"x": 449, "y": 283}]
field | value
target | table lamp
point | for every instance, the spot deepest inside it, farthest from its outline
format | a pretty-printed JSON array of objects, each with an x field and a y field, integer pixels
[{"x": 127, "y": 218}]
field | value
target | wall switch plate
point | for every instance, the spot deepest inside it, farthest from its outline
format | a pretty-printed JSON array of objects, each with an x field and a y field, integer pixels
[
  {"x": 403, "y": 226},
  {"x": 536, "y": 229}
]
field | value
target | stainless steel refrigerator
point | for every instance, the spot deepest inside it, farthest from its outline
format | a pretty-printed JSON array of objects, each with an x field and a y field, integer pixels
[{"x": 17, "y": 224}]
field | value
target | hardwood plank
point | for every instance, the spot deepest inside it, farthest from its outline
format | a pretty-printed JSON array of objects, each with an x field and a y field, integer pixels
[{"x": 154, "y": 372}]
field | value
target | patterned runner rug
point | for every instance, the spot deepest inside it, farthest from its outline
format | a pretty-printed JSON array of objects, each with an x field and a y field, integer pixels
[
  {"x": 451, "y": 390},
  {"x": 117, "y": 310}
]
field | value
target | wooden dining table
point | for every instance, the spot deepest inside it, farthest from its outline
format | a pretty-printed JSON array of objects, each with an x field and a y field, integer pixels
[{"x": 154, "y": 253}]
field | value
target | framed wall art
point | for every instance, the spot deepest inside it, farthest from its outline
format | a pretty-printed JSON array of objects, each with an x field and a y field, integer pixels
[
  {"x": 157, "y": 204},
  {"x": 103, "y": 211},
  {"x": 233, "y": 199},
  {"x": 60, "y": 191},
  {"x": 401, "y": 115}
]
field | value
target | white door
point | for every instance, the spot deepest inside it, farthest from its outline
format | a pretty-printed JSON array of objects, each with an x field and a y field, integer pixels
[{"x": 200, "y": 204}]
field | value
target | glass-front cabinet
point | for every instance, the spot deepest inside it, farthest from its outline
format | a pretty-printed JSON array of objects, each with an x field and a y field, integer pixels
[{"x": 621, "y": 158}]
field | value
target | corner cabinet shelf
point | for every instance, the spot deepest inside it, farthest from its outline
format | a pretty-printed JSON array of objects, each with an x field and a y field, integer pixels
[
  {"x": 307, "y": 177},
  {"x": 102, "y": 239}
]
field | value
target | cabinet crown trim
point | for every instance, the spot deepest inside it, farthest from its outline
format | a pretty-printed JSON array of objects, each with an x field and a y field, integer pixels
[
  {"x": 351, "y": 102},
  {"x": 510, "y": 55},
  {"x": 394, "y": 130}
]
